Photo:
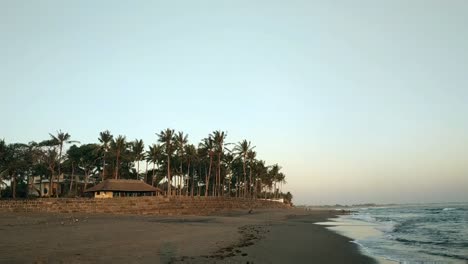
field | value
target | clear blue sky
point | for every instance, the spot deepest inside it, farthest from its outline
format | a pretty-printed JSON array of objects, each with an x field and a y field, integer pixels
[{"x": 359, "y": 101}]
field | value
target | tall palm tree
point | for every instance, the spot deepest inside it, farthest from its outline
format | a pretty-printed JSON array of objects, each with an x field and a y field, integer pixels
[
  {"x": 191, "y": 155},
  {"x": 251, "y": 155},
  {"x": 118, "y": 145},
  {"x": 138, "y": 148},
  {"x": 154, "y": 155},
  {"x": 228, "y": 160},
  {"x": 166, "y": 137},
  {"x": 105, "y": 138},
  {"x": 202, "y": 160},
  {"x": 3, "y": 154},
  {"x": 207, "y": 145},
  {"x": 60, "y": 140},
  {"x": 49, "y": 158},
  {"x": 273, "y": 176},
  {"x": 219, "y": 138},
  {"x": 281, "y": 179},
  {"x": 260, "y": 172},
  {"x": 180, "y": 141},
  {"x": 241, "y": 150}
]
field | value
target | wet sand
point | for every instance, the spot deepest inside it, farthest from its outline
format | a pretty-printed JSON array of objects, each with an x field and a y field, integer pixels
[{"x": 263, "y": 236}]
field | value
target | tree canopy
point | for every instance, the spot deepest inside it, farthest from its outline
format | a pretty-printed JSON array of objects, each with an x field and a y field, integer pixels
[{"x": 213, "y": 167}]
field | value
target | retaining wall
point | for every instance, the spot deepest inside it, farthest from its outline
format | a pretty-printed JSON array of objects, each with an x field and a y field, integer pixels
[{"x": 149, "y": 205}]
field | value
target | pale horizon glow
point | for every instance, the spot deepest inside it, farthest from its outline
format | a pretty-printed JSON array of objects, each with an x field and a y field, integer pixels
[{"x": 358, "y": 102}]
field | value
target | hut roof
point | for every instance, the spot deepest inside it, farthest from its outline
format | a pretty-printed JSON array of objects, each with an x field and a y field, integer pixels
[{"x": 123, "y": 186}]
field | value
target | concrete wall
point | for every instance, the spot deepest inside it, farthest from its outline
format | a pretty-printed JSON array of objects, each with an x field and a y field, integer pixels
[{"x": 147, "y": 205}]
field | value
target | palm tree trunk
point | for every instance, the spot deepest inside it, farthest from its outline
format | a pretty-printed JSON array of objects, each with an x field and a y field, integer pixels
[
  {"x": 169, "y": 175},
  {"x": 256, "y": 189},
  {"x": 193, "y": 184},
  {"x": 180, "y": 178},
  {"x": 57, "y": 186},
  {"x": 72, "y": 177},
  {"x": 236, "y": 184},
  {"x": 85, "y": 180},
  {"x": 208, "y": 176},
  {"x": 213, "y": 189},
  {"x": 13, "y": 185},
  {"x": 188, "y": 180},
  {"x": 51, "y": 178},
  {"x": 117, "y": 166},
  {"x": 146, "y": 174},
  {"x": 154, "y": 173},
  {"x": 60, "y": 159},
  {"x": 138, "y": 169},
  {"x": 276, "y": 191},
  {"x": 245, "y": 177},
  {"x": 250, "y": 180},
  {"x": 219, "y": 174},
  {"x": 103, "y": 167}
]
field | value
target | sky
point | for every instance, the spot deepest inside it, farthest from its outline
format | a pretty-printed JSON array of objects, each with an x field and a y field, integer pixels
[{"x": 358, "y": 101}]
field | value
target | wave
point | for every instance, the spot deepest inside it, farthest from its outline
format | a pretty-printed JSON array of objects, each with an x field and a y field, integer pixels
[
  {"x": 387, "y": 227},
  {"x": 449, "y": 209},
  {"x": 418, "y": 232},
  {"x": 364, "y": 217},
  {"x": 455, "y": 256}
]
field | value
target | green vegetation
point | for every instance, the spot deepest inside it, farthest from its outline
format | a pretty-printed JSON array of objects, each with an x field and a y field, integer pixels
[{"x": 173, "y": 164}]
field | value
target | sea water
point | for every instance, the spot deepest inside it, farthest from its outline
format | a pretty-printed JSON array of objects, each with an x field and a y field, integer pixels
[{"x": 430, "y": 233}]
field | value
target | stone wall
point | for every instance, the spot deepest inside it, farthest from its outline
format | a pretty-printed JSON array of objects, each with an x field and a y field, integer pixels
[{"x": 149, "y": 205}]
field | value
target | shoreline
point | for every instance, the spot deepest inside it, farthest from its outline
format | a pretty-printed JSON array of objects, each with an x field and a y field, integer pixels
[
  {"x": 298, "y": 239},
  {"x": 262, "y": 236},
  {"x": 355, "y": 230}
]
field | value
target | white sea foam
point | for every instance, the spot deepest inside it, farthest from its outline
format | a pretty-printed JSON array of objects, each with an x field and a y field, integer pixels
[
  {"x": 449, "y": 209},
  {"x": 386, "y": 227},
  {"x": 364, "y": 217},
  {"x": 399, "y": 225}
]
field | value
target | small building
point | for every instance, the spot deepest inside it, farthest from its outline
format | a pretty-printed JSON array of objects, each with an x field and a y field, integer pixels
[
  {"x": 39, "y": 186},
  {"x": 122, "y": 188}
]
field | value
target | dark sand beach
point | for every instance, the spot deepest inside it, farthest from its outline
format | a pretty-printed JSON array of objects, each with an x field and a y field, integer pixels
[{"x": 262, "y": 236}]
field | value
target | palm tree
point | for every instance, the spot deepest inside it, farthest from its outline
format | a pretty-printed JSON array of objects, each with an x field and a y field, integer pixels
[
  {"x": 281, "y": 180},
  {"x": 49, "y": 158},
  {"x": 251, "y": 157},
  {"x": 154, "y": 155},
  {"x": 60, "y": 140},
  {"x": 166, "y": 137},
  {"x": 180, "y": 141},
  {"x": 260, "y": 172},
  {"x": 208, "y": 146},
  {"x": 241, "y": 149},
  {"x": 105, "y": 138},
  {"x": 3, "y": 155},
  {"x": 228, "y": 160},
  {"x": 118, "y": 146},
  {"x": 219, "y": 138},
  {"x": 74, "y": 156},
  {"x": 138, "y": 148},
  {"x": 273, "y": 176},
  {"x": 191, "y": 155}
]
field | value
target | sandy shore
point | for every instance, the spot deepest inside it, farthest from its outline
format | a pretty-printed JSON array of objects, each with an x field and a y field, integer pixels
[{"x": 263, "y": 236}]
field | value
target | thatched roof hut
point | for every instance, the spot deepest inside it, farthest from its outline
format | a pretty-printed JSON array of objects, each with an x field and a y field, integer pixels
[{"x": 117, "y": 188}]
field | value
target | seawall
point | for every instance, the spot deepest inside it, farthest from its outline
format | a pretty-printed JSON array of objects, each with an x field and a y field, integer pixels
[{"x": 148, "y": 205}]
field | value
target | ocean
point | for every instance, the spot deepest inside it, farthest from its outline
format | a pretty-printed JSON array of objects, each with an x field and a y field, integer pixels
[{"x": 423, "y": 234}]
